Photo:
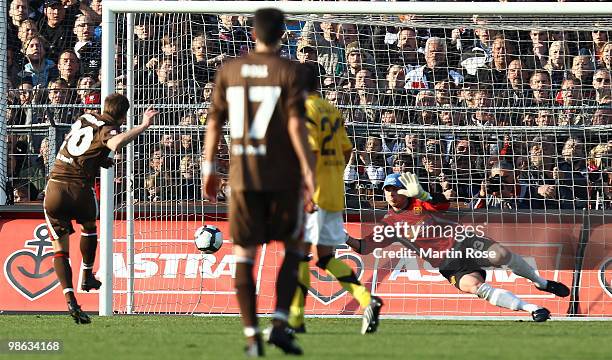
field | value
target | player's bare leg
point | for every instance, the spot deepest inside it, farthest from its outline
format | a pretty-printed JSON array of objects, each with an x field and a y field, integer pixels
[
  {"x": 286, "y": 283},
  {"x": 88, "y": 245},
  {"x": 520, "y": 267},
  {"x": 473, "y": 283},
  {"x": 247, "y": 300},
  {"x": 61, "y": 264}
]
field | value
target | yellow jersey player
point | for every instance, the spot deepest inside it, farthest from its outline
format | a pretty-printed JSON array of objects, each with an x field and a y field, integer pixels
[{"x": 324, "y": 228}]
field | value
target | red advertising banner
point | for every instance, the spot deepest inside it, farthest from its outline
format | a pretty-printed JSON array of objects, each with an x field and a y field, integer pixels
[{"x": 172, "y": 276}]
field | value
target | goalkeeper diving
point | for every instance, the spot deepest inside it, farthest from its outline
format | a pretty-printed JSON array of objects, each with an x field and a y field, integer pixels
[
  {"x": 324, "y": 228},
  {"x": 410, "y": 204}
]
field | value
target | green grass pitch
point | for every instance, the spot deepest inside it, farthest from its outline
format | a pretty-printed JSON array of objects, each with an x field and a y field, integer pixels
[{"x": 190, "y": 338}]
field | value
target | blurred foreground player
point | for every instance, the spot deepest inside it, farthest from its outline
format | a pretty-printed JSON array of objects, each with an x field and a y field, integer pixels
[
  {"x": 70, "y": 195},
  {"x": 261, "y": 96},
  {"x": 412, "y": 205},
  {"x": 324, "y": 227}
]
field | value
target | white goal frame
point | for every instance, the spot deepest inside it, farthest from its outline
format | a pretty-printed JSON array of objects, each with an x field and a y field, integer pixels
[{"x": 112, "y": 7}]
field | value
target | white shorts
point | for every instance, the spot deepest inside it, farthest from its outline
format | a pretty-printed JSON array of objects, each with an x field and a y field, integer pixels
[{"x": 325, "y": 228}]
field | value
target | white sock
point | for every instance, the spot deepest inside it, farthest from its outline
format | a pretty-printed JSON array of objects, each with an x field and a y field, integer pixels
[
  {"x": 520, "y": 267},
  {"x": 504, "y": 298},
  {"x": 250, "y": 331}
]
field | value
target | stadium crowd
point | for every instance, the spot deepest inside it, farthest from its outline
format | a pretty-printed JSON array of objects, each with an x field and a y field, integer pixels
[{"x": 405, "y": 90}]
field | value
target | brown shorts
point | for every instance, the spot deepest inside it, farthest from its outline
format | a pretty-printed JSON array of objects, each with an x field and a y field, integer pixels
[
  {"x": 65, "y": 202},
  {"x": 257, "y": 217}
]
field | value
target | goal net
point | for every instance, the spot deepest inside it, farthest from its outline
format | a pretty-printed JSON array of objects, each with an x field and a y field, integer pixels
[{"x": 456, "y": 99}]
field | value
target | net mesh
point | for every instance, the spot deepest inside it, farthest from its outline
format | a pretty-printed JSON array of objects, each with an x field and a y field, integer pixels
[{"x": 446, "y": 97}]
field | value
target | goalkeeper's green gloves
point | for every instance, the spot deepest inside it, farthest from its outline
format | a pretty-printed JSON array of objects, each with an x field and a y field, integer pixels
[{"x": 412, "y": 187}]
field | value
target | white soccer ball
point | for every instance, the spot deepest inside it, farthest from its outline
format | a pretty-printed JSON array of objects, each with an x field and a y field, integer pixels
[{"x": 208, "y": 239}]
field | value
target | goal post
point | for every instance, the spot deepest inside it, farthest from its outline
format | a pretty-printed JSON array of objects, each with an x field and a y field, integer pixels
[{"x": 174, "y": 221}]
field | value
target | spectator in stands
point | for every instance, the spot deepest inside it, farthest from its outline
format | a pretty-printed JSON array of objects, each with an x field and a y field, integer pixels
[
  {"x": 405, "y": 163},
  {"x": 306, "y": 51},
  {"x": 539, "y": 48},
  {"x": 27, "y": 30},
  {"x": 602, "y": 86},
  {"x": 84, "y": 85},
  {"x": 355, "y": 59},
  {"x": 19, "y": 11},
  {"x": 36, "y": 170},
  {"x": 425, "y": 100},
  {"x": 465, "y": 169},
  {"x": 435, "y": 69},
  {"x": 396, "y": 79},
  {"x": 159, "y": 187},
  {"x": 595, "y": 49},
  {"x": 56, "y": 28},
  {"x": 606, "y": 56},
  {"x": 374, "y": 160},
  {"x": 404, "y": 51},
  {"x": 23, "y": 115},
  {"x": 571, "y": 96},
  {"x": 484, "y": 113},
  {"x": 503, "y": 190},
  {"x": 540, "y": 89},
  {"x": 189, "y": 182},
  {"x": 346, "y": 33},
  {"x": 444, "y": 90},
  {"x": 552, "y": 192},
  {"x": 93, "y": 98},
  {"x": 395, "y": 94},
  {"x": 514, "y": 94},
  {"x": 602, "y": 116},
  {"x": 59, "y": 94},
  {"x": 188, "y": 145},
  {"x": 582, "y": 69},
  {"x": 557, "y": 64},
  {"x": 364, "y": 98},
  {"x": 545, "y": 117},
  {"x": 573, "y": 167},
  {"x": 204, "y": 68},
  {"x": 449, "y": 117},
  {"x": 503, "y": 52},
  {"x": 233, "y": 39},
  {"x": 603, "y": 194},
  {"x": 144, "y": 42},
  {"x": 39, "y": 68},
  {"x": 330, "y": 51},
  {"x": 433, "y": 174},
  {"x": 88, "y": 50},
  {"x": 69, "y": 69}
]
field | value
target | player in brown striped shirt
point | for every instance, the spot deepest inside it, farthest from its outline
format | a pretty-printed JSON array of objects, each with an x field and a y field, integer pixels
[
  {"x": 70, "y": 196},
  {"x": 263, "y": 100}
]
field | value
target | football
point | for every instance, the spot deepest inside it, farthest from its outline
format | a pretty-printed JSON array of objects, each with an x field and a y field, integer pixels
[{"x": 208, "y": 239}]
